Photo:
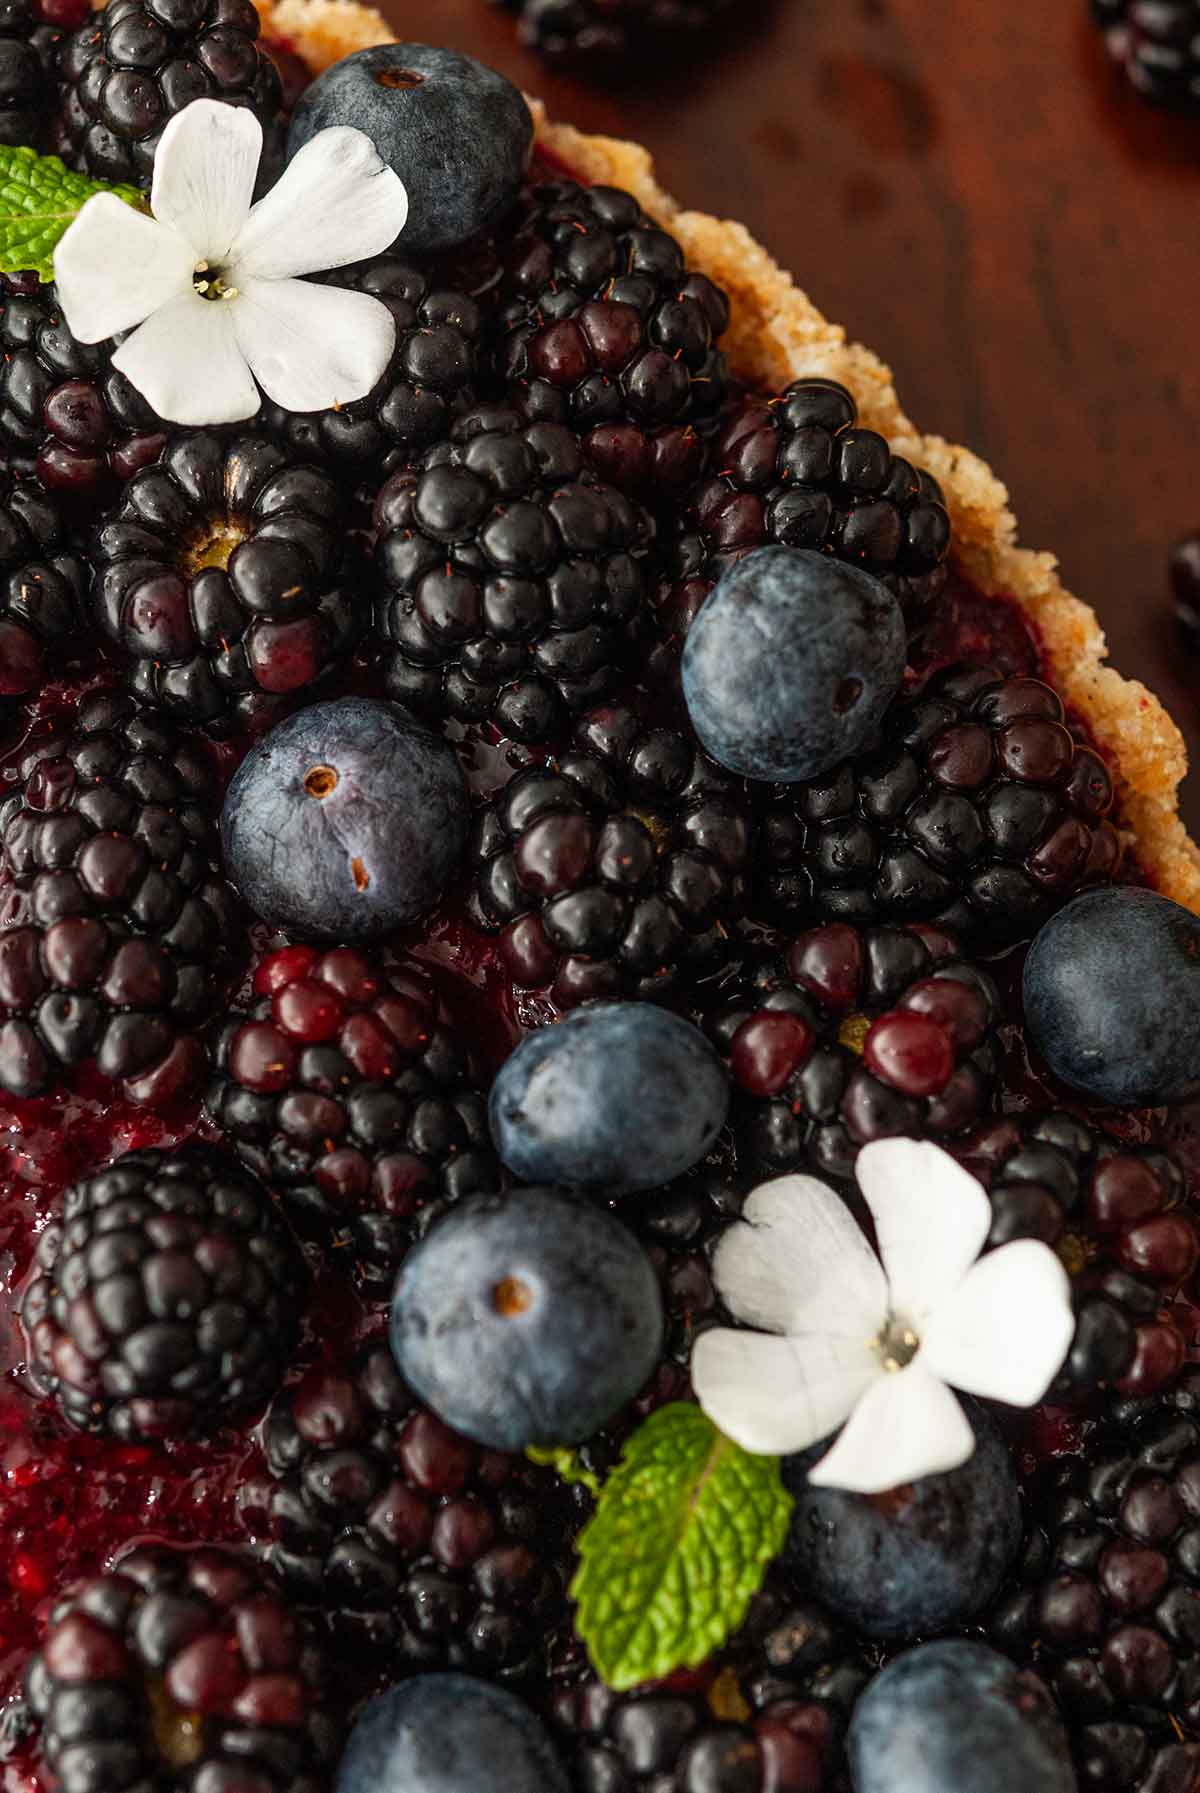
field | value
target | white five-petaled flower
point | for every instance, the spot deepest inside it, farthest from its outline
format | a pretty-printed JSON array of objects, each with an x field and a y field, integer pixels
[
  {"x": 209, "y": 285},
  {"x": 876, "y": 1347}
]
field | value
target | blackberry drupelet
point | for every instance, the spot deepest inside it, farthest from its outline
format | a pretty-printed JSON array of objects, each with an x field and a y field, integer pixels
[
  {"x": 29, "y": 35},
  {"x": 600, "y": 320},
  {"x": 510, "y": 577},
  {"x": 616, "y": 868},
  {"x": 342, "y": 1088},
  {"x": 42, "y": 582},
  {"x": 979, "y": 809},
  {"x": 66, "y": 415},
  {"x": 426, "y": 1550},
  {"x": 182, "y": 1667},
  {"x": 1107, "y": 1600},
  {"x": 117, "y": 930},
  {"x": 166, "y": 1297},
  {"x": 1120, "y": 1218},
  {"x": 131, "y": 68},
  {"x": 854, "y": 1036},
  {"x": 432, "y": 378},
  {"x": 226, "y": 576},
  {"x": 1157, "y": 43},
  {"x": 584, "y": 32}
]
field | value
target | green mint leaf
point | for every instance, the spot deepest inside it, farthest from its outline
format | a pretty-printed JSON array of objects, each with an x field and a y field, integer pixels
[
  {"x": 38, "y": 199},
  {"x": 566, "y": 1464},
  {"x": 677, "y": 1548}
]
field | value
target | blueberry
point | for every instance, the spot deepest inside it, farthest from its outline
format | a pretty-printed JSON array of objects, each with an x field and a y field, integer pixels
[
  {"x": 791, "y": 663},
  {"x": 616, "y": 1097},
  {"x": 346, "y": 822},
  {"x": 956, "y": 1717},
  {"x": 1112, "y": 997},
  {"x": 925, "y": 1555},
  {"x": 449, "y": 1734},
  {"x": 458, "y": 134},
  {"x": 527, "y": 1318}
]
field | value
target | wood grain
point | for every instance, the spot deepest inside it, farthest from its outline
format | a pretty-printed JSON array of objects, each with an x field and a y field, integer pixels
[{"x": 974, "y": 192}]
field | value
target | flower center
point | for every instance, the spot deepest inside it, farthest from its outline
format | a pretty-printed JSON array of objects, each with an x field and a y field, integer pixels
[
  {"x": 896, "y": 1345},
  {"x": 211, "y": 283}
]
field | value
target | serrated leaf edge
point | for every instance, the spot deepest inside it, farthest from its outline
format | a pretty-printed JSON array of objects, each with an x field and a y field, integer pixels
[{"x": 29, "y": 237}]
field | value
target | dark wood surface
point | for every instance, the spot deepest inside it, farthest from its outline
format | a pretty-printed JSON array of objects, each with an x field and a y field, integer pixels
[{"x": 973, "y": 191}]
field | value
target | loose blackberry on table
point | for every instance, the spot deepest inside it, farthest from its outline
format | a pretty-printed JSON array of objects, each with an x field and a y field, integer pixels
[
  {"x": 119, "y": 930},
  {"x": 182, "y": 1666},
  {"x": 979, "y": 809},
  {"x": 586, "y": 33},
  {"x": 1157, "y": 43},
  {"x": 345, "y": 1090},
  {"x": 856, "y": 1035},
  {"x": 225, "y": 575},
  {"x": 618, "y": 867},
  {"x": 166, "y": 1297},
  {"x": 42, "y": 584},
  {"x": 510, "y": 577}
]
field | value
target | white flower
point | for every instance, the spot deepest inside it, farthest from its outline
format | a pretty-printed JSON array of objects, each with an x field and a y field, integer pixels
[
  {"x": 870, "y": 1346},
  {"x": 210, "y": 280}
]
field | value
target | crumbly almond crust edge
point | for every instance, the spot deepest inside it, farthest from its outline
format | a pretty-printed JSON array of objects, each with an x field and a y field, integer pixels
[{"x": 777, "y": 335}]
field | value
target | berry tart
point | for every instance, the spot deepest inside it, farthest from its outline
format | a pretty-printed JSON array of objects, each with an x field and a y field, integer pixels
[{"x": 599, "y": 990}]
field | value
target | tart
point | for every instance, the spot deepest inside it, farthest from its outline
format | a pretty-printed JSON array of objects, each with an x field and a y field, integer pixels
[{"x": 343, "y": 1447}]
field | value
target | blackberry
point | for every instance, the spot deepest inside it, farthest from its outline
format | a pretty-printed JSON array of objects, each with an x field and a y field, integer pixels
[
  {"x": 978, "y": 809},
  {"x": 853, "y": 1036},
  {"x": 1185, "y": 586},
  {"x": 426, "y": 1550},
  {"x": 65, "y": 414},
  {"x": 799, "y": 471},
  {"x": 117, "y": 929},
  {"x": 224, "y": 574},
  {"x": 510, "y": 577},
  {"x": 583, "y": 32},
  {"x": 433, "y": 376},
  {"x": 343, "y": 1089},
  {"x": 1107, "y": 1600},
  {"x": 1157, "y": 43},
  {"x": 182, "y": 1668},
  {"x": 165, "y": 1297},
  {"x": 129, "y": 69},
  {"x": 600, "y": 320},
  {"x": 1120, "y": 1218},
  {"x": 42, "y": 582},
  {"x": 617, "y": 868},
  {"x": 29, "y": 35}
]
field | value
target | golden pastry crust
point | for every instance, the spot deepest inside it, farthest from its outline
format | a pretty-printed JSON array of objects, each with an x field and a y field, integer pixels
[{"x": 777, "y": 335}]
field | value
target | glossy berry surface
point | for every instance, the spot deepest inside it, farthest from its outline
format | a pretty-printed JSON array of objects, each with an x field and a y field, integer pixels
[
  {"x": 458, "y": 134},
  {"x": 587, "y": 34},
  {"x": 791, "y": 663},
  {"x": 527, "y": 1318},
  {"x": 346, "y": 822},
  {"x": 182, "y": 1661},
  {"x": 619, "y": 1096},
  {"x": 119, "y": 927},
  {"x": 450, "y": 1734},
  {"x": 617, "y": 867},
  {"x": 42, "y": 581},
  {"x": 1156, "y": 43},
  {"x": 28, "y": 42},
  {"x": 222, "y": 575},
  {"x": 917, "y": 1558},
  {"x": 956, "y": 1714},
  {"x": 510, "y": 576},
  {"x": 343, "y": 1087},
  {"x": 166, "y": 1298},
  {"x": 1112, "y": 997},
  {"x": 855, "y": 1035}
]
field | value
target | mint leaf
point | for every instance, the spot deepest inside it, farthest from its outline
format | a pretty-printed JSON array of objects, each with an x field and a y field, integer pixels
[
  {"x": 38, "y": 199},
  {"x": 678, "y": 1546},
  {"x": 567, "y": 1465}
]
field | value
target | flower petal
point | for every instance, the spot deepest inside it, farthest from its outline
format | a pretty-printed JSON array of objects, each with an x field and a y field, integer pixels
[
  {"x": 774, "y": 1396},
  {"x": 931, "y": 1217},
  {"x": 336, "y": 202},
  {"x": 906, "y": 1426},
  {"x": 186, "y": 364},
  {"x": 1006, "y": 1330},
  {"x": 798, "y": 1261},
  {"x": 205, "y": 168},
  {"x": 312, "y": 346},
  {"x": 114, "y": 266}
]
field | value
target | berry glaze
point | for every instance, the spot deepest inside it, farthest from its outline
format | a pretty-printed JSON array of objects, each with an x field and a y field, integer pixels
[{"x": 68, "y": 1501}]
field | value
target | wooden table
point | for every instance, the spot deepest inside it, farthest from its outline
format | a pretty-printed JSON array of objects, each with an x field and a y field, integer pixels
[{"x": 973, "y": 191}]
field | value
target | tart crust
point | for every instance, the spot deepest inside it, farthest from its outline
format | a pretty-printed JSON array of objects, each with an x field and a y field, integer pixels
[{"x": 777, "y": 335}]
